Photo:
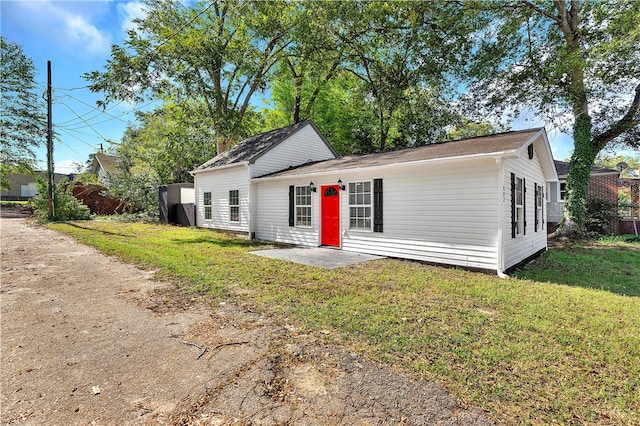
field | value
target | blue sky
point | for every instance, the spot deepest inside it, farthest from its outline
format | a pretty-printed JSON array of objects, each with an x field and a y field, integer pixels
[{"x": 76, "y": 37}]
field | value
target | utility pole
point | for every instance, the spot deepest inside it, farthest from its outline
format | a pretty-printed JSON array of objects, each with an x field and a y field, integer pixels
[{"x": 50, "y": 145}]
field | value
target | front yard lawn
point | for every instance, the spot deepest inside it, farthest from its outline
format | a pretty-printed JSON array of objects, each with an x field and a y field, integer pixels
[{"x": 527, "y": 352}]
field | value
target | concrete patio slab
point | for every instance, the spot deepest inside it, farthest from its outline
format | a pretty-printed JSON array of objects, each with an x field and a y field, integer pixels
[{"x": 318, "y": 256}]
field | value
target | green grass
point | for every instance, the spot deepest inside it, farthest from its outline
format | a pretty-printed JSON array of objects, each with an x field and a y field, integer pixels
[
  {"x": 610, "y": 264},
  {"x": 527, "y": 352}
]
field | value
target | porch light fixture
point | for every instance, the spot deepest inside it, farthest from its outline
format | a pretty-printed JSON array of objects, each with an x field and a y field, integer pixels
[
  {"x": 312, "y": 186},
  {"x": 342, "y": 187}
]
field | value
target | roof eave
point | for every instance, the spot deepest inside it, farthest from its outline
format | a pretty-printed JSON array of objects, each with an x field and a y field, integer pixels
[
  {"x": 512, "y": 153},
  {"x": 216, "y": 168}
]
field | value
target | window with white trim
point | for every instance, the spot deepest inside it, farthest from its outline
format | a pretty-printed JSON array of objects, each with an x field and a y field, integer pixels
[
  {"x": 546, "y": 194},
  {"x": 234, "y": 206},
  {"x": 360, "y": 207},
  {"x": 303, "y": 206},
  {"x": 207, "y": 206},
  {"x": 562, "y": 193},
  {"x": 519, "y": 205},
  {"x": 539, "y": 200}
]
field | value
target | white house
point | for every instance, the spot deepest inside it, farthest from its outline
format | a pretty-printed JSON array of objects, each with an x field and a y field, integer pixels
[{"x": 475, "y": 203}]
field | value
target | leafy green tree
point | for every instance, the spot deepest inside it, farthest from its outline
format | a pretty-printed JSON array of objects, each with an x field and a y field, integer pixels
[
  {"x": 23, "y": 124},
  {"x": 611, "y": 161},
  {"x": 67, "y": 207},
  {"x": 471, "y": 129},
  {"x": 220, "y": 53},
  {"x": 399, "y": 49},
  {"x": 170, "y": 141},
  {"x": 572, "y": 61},
  {"x": 138, "y": 188}
]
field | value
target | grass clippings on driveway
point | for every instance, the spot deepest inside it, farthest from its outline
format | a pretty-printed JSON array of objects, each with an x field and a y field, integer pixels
[{"x": 528, "y": 352}]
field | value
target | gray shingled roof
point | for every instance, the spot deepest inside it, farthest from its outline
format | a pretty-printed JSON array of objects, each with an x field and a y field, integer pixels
[
  {"x": 109, "y": 163},
  {"x": 508, "y": 141},
  {"x": 255, "y": 146},
  {"x": 562, "y": 167}
]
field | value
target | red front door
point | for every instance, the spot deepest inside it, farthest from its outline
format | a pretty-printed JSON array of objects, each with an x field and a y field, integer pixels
[{"x": 330, "y": 224}]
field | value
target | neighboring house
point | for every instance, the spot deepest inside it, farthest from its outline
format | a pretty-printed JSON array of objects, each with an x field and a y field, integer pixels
[
  {"x": 23, "y": 185},
  {"x": 475, "y": 203},
  {"x": 603, "y": 185},
  {"x": 104, "y": 166}
]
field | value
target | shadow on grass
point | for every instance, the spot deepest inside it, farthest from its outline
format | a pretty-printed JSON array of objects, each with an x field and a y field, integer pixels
[
  {"x": 612, "y": 268},
  {"x": 231, "y": 242},
  {"x": 86, "y": 228}
]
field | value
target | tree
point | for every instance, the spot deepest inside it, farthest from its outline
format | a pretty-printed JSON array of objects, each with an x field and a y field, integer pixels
[
  {"x": 171, "y": 141},
  {"x": 611, "y": 161},
  {"x": 23, "y": 124},
  {"x": 471, "y": 129},
  {"x": 220, "y": 53},
  {"x": 577, "y": 61},
  {"x": 402, "y": 51}
]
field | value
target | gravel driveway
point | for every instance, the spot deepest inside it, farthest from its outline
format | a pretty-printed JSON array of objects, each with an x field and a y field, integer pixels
[{"x": 87, "y": 339}]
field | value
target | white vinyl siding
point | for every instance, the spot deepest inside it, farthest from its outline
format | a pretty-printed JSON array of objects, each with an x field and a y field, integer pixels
[
  {"x": 434, "y": 214},
  {"x": 272, "y": 218},
  {"x": 219, "y": 183},
  {"x": 438, "y": 213},
  {"x": 302, "y": 147},
  {"x": 529, "y": 242}
]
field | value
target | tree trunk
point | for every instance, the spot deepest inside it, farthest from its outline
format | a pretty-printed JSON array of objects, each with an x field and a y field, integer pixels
[{"x": 575, "y": 208}]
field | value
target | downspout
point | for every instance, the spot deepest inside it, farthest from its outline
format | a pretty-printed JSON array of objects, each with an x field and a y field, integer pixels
[{"x": 500, "y": 204}]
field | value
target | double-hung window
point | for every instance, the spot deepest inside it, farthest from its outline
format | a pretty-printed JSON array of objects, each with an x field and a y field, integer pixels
[
  {"x": 539, "y": 211},
  {"x": 519, "y": 206},
  {"x": 234, "y": 206},
  {"x": 303, "y": 206},
  {"x": 207, "y": 205},
  {"x": 360, "y": 206},
  {"x": 562, "y": 194}
]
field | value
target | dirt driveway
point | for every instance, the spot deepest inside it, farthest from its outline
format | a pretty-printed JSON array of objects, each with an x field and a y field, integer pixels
[{"x": 87, "y": 339}]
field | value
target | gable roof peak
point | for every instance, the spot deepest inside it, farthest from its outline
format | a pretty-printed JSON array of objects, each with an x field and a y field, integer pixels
[{"x": 250, "y": 149}]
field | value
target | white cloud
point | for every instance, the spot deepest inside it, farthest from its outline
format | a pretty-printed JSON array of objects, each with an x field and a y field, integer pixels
[
  {"x": 66, "y": 24},
  {"x": 130, "y": 11},
  {"x": 80, "y": 32}
]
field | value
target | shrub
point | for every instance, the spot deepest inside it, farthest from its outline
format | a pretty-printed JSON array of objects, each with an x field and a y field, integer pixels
[
  {"x": 601, "y": 217},
  {"x": 66, "y": 206}
]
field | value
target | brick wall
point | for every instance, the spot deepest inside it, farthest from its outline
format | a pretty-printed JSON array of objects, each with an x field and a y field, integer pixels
[{"x": 604, "y": 187}]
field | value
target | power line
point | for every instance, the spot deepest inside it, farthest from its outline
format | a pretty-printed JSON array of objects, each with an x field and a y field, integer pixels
[
  {"x": 88, "y": 125},
  {"x": 96, "y": 109},
  {"x": 77, "y": 138}
]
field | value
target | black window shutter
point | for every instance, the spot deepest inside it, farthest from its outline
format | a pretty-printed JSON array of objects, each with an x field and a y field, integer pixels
[
  {"x": 535, "y": 206},
  {"x": 377, "y": 205},
  {"x": 292, "y": 195},
  {"x": 524, "y": 206},
  {"x": 513, "y": 205}
]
